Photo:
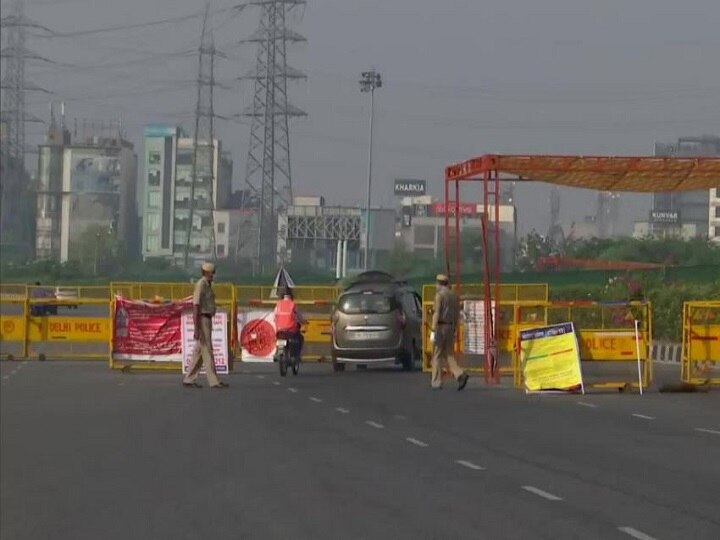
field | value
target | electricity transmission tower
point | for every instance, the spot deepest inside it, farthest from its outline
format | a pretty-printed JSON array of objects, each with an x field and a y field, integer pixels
[
  {"x": 268, "y": 172},
  {"x": 15, "y": 220},
  {"x": 204, "y": 167}
]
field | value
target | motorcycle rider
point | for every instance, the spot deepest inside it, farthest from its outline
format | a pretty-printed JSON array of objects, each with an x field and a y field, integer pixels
[{"x": 288, "y": 320}]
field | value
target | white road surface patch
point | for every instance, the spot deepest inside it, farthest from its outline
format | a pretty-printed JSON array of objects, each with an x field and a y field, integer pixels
[
  {"x": 315, "y": 399},
  {"x": 6, "y": 376},
  {"x": 374, "y": 424},
  {"x": 635, "y": 533},
  {"x": 416, "y": 442},
  {"x": 260, "y": 376},
  {"x": 400, "y": 417},
  {"x": 705, "y": 430},
  {"x": 293, "y": 390},
  {"x": 540, "y": 493},
  {"x": 583, "y": 404},
  {"x": 277, "y": 383},
  {"x": 341, "y": 410},
  {"x": 644, "y": 417},
  {"x": 470, "y": 465}
]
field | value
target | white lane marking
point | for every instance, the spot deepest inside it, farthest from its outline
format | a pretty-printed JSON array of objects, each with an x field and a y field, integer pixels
[
  {"x": 582, "y": 403},
  {"x": 341, "y": 410},
  {"x": 540, "y": 493},
  {"x": 644, "y": 417},
  {"x": 315, "y": 399},
  {"x": 277, "y": 383},
  {"x": 400, "y": 417},
  {"x": 293, "y": 390},
  {"x": 6, "y": 376},
  {"x": 705, "y": 430},
  {"x": 416, "y": 442},
  {"x": 260, "y": 376},
  {"x": 470, "y": 465},
  {"x": 374, "y": 424},
  {"x": 14, "y": 371},
  {"x": 635, "y": 533}
]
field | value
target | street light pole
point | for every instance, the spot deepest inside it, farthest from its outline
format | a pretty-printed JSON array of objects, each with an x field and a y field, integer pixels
[{"x": 368, "y": 83}]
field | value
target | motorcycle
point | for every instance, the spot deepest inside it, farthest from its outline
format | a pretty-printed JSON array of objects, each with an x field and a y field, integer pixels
[{"x": 286, "y": 354}]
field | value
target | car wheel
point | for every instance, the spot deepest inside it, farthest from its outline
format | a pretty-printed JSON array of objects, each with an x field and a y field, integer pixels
[{"x": 337, "y": 366}]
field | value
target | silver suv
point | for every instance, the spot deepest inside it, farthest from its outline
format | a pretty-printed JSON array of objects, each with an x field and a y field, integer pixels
[{"x": 377, "y": 320}]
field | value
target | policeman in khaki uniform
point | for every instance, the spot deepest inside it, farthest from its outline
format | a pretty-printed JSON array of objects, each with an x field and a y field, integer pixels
[
  {"x": 203, "y": 312},
  {"x": 444, "y": 326}
]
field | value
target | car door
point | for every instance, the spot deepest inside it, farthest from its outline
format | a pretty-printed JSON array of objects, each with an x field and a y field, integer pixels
[{"x": 413, "y": 319}]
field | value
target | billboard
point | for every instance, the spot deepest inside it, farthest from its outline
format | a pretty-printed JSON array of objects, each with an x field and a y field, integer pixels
[
  {"x": 466, "y": 209},
  {"x": 405, "y": 187}
]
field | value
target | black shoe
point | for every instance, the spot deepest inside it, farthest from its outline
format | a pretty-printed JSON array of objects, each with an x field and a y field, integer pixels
[{"x": 462, "y": 381}]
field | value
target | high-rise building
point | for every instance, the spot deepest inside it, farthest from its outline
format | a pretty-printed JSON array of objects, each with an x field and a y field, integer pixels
[
  {"x": 687, "y": 211},
  {"x": 167, "y": 190},
  {"x": 85, "y": 187}
]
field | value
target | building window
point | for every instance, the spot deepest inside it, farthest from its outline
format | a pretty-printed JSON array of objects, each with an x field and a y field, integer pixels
[
  {"x": 152, "y": 221},
  {"x": 153, "y": 243},
  {"x": 221, "y": 227},
  {"x": 717, "y": 211},
  {"x": 154, "y": 158},
  {"x": 221, "y": 250},
  {"x": 153, "y": 178},
  {"x": 154, "y": 199},
  {"x": 717, "y": 232}
]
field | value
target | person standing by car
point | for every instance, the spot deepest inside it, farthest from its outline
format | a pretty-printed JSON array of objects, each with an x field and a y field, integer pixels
[
  {"x": 203, "y": 312},
  {"x": 288, "y": 320},
  {"x": 444, "y": 327}
]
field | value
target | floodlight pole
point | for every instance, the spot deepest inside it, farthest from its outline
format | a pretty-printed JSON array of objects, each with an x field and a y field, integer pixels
[{"x": 370, "y": 80}]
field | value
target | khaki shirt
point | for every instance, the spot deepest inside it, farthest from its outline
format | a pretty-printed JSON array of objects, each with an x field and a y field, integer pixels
[
  {"x": 204, "y": 296},
  {"x": 447, "y": 308}
]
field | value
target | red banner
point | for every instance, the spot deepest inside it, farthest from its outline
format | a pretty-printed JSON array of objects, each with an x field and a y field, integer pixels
[
  {"x": 148, "y": 332},
  {"x": 466, "y": 209}
]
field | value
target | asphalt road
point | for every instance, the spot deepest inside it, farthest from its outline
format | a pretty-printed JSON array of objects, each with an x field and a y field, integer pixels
[{"x": 89, "y": 454}]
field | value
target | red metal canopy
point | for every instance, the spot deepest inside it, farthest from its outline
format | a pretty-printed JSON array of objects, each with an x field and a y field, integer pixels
[{"x": 604, "y": 173}]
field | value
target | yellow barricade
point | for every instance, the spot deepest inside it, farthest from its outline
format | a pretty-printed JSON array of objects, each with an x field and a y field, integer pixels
[
  {"x": 68, "y": 322},
  {"x": 701, "y": 342},
  {"x": 521, "y": 306},
  {"x": 13, "y": 321},
  {"x": 316, "y": 304},
  {"x": 509, "y": 292},
  {"x": 171, "y": 292},
  {"x": 606, "y": 334}
]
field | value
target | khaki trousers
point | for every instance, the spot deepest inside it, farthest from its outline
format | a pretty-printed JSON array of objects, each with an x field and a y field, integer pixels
[
  {"x": 203, "y": 354},
  {"x": 444, "y": 354}
]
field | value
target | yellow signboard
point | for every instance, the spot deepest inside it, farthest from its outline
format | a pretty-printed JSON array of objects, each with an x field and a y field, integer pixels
[{"x": 550, "y": 358}]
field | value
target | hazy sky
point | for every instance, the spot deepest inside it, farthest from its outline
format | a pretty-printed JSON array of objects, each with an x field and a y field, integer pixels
[{"x": 461, "y": 78}]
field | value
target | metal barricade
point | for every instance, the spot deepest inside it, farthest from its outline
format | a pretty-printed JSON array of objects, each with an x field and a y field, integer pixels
[
  {"x": 13, "y": 320},
  {"x": 162, "y": 292},
  {"x": 68, "y": 322},
  {"x": 606, "y": 338},
  {"x": 701, "y": 342},
  {"x": 315, "y": 302},
  {"x": 513, "y": 298}
]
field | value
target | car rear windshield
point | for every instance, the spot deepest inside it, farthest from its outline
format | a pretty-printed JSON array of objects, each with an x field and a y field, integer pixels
[{"x": 362, "y": 303}]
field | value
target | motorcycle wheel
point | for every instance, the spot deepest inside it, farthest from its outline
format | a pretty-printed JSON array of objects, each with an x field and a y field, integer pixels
[{"x": 282, "y": 362}]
